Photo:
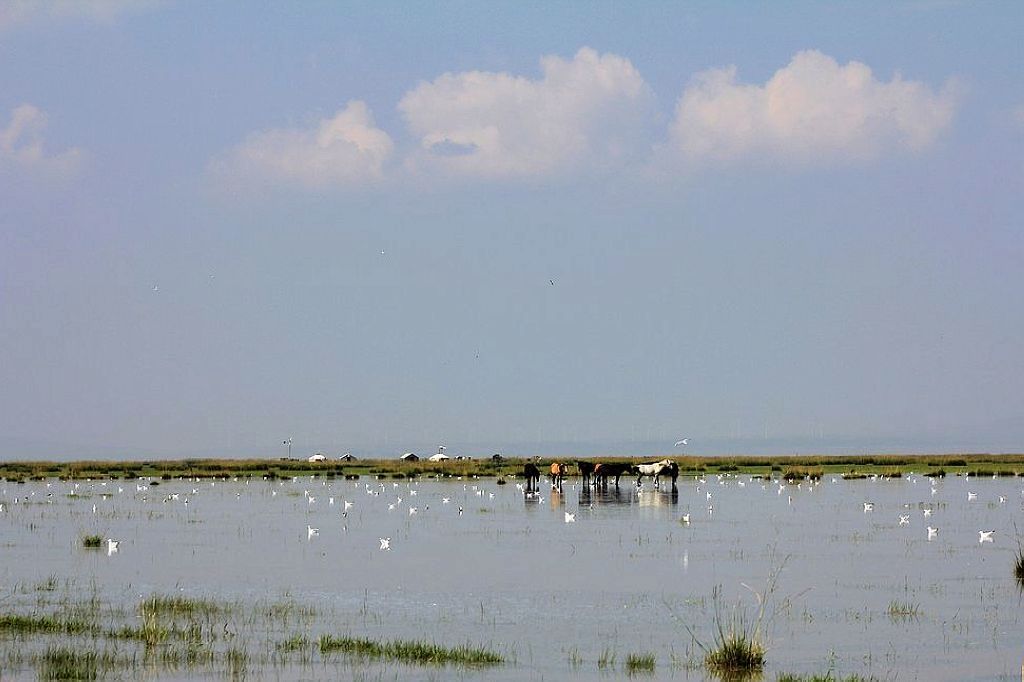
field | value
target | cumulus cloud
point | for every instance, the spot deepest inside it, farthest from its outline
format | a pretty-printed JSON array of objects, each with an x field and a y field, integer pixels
[
  {"x": 588, "y": 110},
  {"x": 17, "y": 12},
  {"x": 344, "y": 150},
  {"x": 812, "y": 110},
  {"x": 22, "y": 144}
]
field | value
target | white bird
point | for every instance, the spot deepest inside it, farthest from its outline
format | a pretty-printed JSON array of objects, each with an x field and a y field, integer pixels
[
  {"x": 445, "y": 500},
  {"x": 985, "y": 535},
  {"x": 348, "y": 505},
  {"x": 932, "y": 532},
  {"x": 112, "y": 546},
  {"x": 927, "y": 512},
  {"x": 904, "y": 519},
  {"x": 972, "y": 496},
  {"x": 385, "y": 544},
  {"x": 869, "y": 506},
  {"x": 684, "y": 441},
  {"x": 685, "y": 519},
  {"x": 1002, "y": 499},
  {"x": 570, "y": 518},
  {"x": 311, "y": 531},
  {"x": 412, "y": 510}
]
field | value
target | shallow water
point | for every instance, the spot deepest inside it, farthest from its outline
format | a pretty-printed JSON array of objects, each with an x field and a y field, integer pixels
[{"x": 560, "y": 600}]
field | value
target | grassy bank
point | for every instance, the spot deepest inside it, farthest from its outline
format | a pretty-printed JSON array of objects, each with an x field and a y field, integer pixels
[{"x": 788, "y": 466}]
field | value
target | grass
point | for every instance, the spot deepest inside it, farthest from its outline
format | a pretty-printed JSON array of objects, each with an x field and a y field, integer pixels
[
  {"x": 293, "y": 643},
  {"x": 173, "y": 605},
  {"x": 409, "y": 651},
  {"x": 639, "y": 663},
  {"x": 16, "y": 623},
  {"x": 735, "y": 653},
  {"x": 1018, "y": 567},
  {"x": 979, "y": 464},
  {"x": 903, "y": 609},
  {"x": 64, "y": 663},
  {"x": 92, "y": 541}
]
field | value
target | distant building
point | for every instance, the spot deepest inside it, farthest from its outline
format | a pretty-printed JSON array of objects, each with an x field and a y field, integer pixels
[
  {"x": 318, "y": 457},
  {"x": 348, "y": 457},
  {"x": 410, "y": 457},
  {"x": 439, "y": 457}
]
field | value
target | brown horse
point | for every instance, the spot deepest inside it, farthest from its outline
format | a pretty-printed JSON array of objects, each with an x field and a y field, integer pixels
[{"x": 558, "y": 473}]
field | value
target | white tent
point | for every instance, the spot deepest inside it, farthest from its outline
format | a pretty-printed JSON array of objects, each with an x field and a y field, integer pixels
[{"x": 439, "y": 457}]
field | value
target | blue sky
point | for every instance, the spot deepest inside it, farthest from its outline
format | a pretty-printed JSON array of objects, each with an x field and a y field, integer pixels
[{"x": 529, "y": 227}]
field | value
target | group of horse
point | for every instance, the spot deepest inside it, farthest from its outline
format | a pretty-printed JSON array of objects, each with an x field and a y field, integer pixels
[{"x": 599, "y": 473}]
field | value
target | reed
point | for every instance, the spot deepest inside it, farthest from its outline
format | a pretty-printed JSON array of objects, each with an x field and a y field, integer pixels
[
  {"x": 92, "y": 541},
  {"x": 640, "y": 663},
  {"x": 409, "y": 651}
]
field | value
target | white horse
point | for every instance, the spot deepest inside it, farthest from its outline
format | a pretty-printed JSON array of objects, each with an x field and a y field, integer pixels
[{"x": 654, "y": 470}]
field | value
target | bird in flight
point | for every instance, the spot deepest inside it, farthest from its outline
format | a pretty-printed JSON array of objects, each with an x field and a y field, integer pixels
[
  {"x": 985, "y": 535},
  {"x": 685, "y": 441},
  {"x": 570, "y": 518},
  {"x": 552, "y": 282},
  {"x": 385, "y": 544}
]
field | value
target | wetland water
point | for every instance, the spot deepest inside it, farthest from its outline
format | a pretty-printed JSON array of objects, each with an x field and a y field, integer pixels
[{"x": 558, "y": 600}]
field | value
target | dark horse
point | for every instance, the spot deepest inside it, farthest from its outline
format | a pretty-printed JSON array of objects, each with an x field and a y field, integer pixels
[
  {"x": 532, "y": 475},
  {"x": 586, "y": 469},
  {"x": 605, "y": 470}
]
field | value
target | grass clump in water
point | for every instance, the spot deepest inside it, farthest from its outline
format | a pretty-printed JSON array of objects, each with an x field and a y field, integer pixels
[
  {"x": 294, "y": 643},
  {"x": 92, "y": 541},
  {"x": 903, "y": 609},
  {"x": 63, "y": 663},
  {"x": 13, "y": 622},
  {"x": 1018, "y": 567},
  {"x": 173, "y": 605},
  {"x": 639, "y": 663},
  {"x": 409, "y": 651}
]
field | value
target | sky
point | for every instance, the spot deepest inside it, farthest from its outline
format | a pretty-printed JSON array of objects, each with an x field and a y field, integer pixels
[{"x": 579, "y": 228}]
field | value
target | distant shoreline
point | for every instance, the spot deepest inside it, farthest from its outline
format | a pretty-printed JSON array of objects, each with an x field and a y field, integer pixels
[{"x": 787, "y": 466}]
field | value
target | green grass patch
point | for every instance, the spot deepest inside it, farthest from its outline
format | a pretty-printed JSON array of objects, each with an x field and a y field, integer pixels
[
  {"x": 409, "y": 651},
  {"x": 903, "y": 609},
  {"x": 639, "y": 663},
  {"x": 92, "y": 541},
  {"x": 17, "y": 623}
]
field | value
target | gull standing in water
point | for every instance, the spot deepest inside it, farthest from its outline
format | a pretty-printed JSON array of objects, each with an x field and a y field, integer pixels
[{"x": 112, "y": 546}]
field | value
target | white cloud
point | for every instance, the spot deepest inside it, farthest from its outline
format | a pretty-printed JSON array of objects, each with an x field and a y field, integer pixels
[
  {"x": 590, "y": 110},
  {"x": 21, "y": 144},
  {"x": 345, "y": 150},
  {"x": 813, "y": 110},
  {"x": 17, "y": 12}
]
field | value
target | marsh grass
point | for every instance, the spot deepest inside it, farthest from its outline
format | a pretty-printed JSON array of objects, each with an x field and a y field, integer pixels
[
  {"x": 640, "y": 663},
  {"x": 903, "y": 609},
  {"x": 738, "y": 647},
  {"x": 173, "y": 606},
  {"x": 65, "y": 663},
  {"x": 56, "y": 625},
  {"x": 294, "y": 643},
  {"x": 1018, "y": 566},
  {"x": 606, "y": 659},
  {"x": 92, "y": 541},
  {"x": 409, "y": 651}
]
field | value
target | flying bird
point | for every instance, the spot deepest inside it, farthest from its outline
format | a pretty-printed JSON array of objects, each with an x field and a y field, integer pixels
[
  {"x": 985, "y": 535},
  {"x": 904, "y": 519},
  {"x": 385, "y": 544},
  {"x": 685, "y": 441},
  {"x": 570, "y": 518}
]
